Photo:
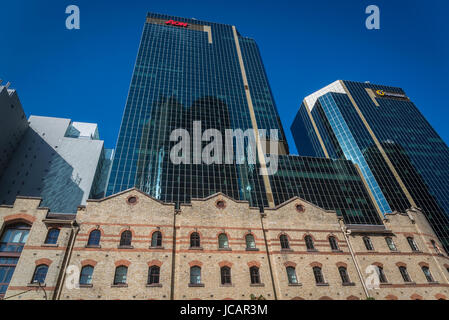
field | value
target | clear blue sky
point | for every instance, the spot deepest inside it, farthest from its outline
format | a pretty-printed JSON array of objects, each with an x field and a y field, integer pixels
[{"x": 84, "y": 75}]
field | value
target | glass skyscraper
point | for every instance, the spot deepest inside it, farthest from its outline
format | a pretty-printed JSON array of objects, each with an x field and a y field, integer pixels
[
  {"x": 403, "y": 159},
  {"x": 189, "y": 70}
]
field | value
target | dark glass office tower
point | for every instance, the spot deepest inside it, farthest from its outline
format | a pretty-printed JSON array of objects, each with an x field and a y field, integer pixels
[
  {"x": 190, "y": 70},
  {"x": 403, "y": 159}
]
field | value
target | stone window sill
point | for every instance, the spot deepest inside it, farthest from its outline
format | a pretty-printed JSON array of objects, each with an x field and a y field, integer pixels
[
  {"x": 92, "y": 246},
  {"x": 196, "y": 285},
  {"x": 337, "y": 251},
  {"x": 252, "y": 249},
  {"x": 154, "y": 285},
  {"x": 295, "y": 284},
  {"x": 86, "y": 285},
  {"x": 36, "y": 285},
  {"x": 257, "y": 285},
  {"x": 125, "y": 247},
  {"x": 322, "y": 284},
  {"x": 196, "y": 248},
  {"x": 157, "y": 248},
  {"x": 224, "y": 249},
  {"x": 312, "y": 250},
  {"x": 286, "y": 250},
  {"x": 124, "y": 285},
  {"x": 410, "y": 283},
  {"x": 433, "y": 282},
  {"x": 49, "y": 245},
  {"x": 348, "y": 284}
]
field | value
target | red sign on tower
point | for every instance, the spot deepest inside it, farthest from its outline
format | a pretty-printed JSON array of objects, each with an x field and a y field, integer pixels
[{"x": 177, "y": 23}]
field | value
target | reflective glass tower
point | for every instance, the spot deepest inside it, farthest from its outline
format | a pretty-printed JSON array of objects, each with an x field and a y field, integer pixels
[
  {"x": 403, "y": 159},
  {"x": 191, "y": 71}
]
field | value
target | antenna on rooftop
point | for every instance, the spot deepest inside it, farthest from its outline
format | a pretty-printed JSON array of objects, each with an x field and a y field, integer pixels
[{"x": 7, "y": 85}]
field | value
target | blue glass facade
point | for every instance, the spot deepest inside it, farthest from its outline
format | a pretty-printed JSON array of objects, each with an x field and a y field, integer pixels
[
  {"x": 196, "y": 71},
  {"x": 186, "y": 74},
  {"x": 403, "y": 159}
]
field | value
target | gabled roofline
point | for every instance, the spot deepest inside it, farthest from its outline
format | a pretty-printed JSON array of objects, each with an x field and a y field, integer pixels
[
  {"x": 127, "y": 191},
  {"x": 302, "y": 200},
  {"x": 218, "y": 194}
]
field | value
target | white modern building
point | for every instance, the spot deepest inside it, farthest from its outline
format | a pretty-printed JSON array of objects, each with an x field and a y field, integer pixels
[{"x": 60, "y": 161}]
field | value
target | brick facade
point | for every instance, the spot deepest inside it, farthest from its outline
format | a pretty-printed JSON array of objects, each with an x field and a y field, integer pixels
[{"x": 239, "y": 269}]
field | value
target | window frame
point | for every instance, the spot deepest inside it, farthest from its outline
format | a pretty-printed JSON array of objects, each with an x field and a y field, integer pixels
[
  {"x": 89, "y": 281},
  {"x": 154, "y": 275},
  {"x": 318, "y": 275},
  {"x": 52, "y": 239},
  {"x": 125, "y": 276},
  {"x": 195, "y": 240},
  {"x": 333, "y": 243},
  {"x": 405, "y": 275},
  {"x": 221, "y": 244},
  {"x": 126, "y": 238},
  {"x": 250, "y": 245},
  {"x": 368, "y": 243},
  {"x": 285, "y": 242},
  {"x": 156, "y": 239},
  {"x": 225, "y": 276},
  {"x": 310, "y": 244},
  {"x": 35, "y": 274},
  {"x": 428, "y": 275},
  {"x": 413, "y": 245},
  {"x": 92, "y": 237},
  {"x": 195, "y": 279},
  {"x": 254, "y": 273},
  {"x": 292, "y": 275}
]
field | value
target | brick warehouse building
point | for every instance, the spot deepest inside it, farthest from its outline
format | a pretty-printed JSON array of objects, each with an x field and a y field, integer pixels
[{"x": 131, "y": 246}]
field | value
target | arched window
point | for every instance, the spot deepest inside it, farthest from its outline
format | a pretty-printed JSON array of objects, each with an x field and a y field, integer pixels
[
  {"x": 344, "y": 275},
  {"x": 412, "y": 244},
  {"x": 195, "y": 275},
  {"x": 368, "y": 244},
  {"x": 427, "y": 273},
  {"x": 391, "y": 244},
  {"x": 12, "y": 242},
  {"x": 404, "y": 274},
  {"x": 14, "y": 237},
  {"x": 435, "y": 246},
  {"x": 319, "y": 279},
  {"x": 381, "y": 274},
  {"x": 223, "y": 242},
  {"x": 154, "y": 274},
  {"x": 195, "y": 240},
  {"x": 291, "y": 275},
  {"x": 255, "y": 276},
  {"x": 121, "y": 274},
  {"x": 126, "y": 238},
  {"x": 94, "y": 238},
  {"x": 284, "y": 242},
  {"x": 309, "y": 243},
  {"x": 225, "y": 275},
  {"x": 40, "y": 273},
  {"x": 86, "y": 275},
  {"x": 250, "y": 242},
  {"x": 156, "y": 239},
  {"x": 333, "y": 243},
  {"x": 52, "y": 236}
]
